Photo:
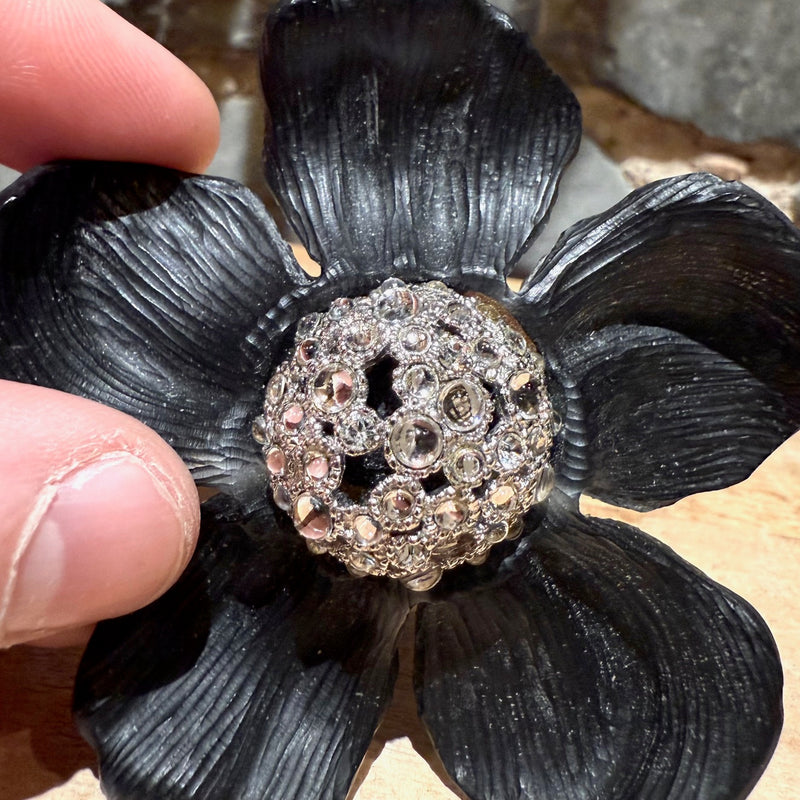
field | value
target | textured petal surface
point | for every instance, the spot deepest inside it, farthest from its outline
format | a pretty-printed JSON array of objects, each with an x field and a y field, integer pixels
[
  {"x": 411, "y": 136},
  {"x": 145, "y": 289},
  {"x": 661, "y": 417},
  {"x": 256, "y": 676},
  {"x": 600, "y": 666},
  {"x": 708, "y": 259}
]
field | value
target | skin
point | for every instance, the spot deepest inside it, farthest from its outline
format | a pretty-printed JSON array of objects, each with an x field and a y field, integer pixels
[{"x": 98, "y": 515}]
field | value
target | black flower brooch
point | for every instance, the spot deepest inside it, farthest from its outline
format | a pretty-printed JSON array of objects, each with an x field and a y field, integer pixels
[{"x": 406, "y": 431}]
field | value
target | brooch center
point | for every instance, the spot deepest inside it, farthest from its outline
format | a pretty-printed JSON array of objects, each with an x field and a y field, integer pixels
[{"x": 408, "y": 431}]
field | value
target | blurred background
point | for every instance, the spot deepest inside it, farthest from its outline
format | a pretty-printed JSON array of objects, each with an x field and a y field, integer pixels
[{"x": 667, "y": 87}]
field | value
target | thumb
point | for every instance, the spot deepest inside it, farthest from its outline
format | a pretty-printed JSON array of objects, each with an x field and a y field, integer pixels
[{"x": 98, "y": 516}]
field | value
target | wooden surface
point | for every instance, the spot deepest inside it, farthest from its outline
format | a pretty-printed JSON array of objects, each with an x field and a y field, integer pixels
[{"x": 747, "y": 537}]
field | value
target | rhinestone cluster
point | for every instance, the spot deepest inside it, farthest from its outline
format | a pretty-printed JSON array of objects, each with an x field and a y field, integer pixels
[{"x": 408, "y": 431}]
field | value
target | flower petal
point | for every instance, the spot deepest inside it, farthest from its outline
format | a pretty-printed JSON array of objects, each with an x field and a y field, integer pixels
[
  {"x": 710, "y": 259},
  {"x": 660, "y": 416},
  {"x": 255, "y": 676},
  {"x": 147, "y": 290},
  {"x": 409, "y": 137},
  {"x": 602, "y": 668}
]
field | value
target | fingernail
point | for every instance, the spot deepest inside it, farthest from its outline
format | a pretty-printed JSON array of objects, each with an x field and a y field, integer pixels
[{"x": 110, "y": 541}]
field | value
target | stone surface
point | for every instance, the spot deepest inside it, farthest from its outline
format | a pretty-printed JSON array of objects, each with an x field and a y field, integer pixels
[
  {"x": 591, "y": 184},
  {"x": 7, "y": 176},
  {"x": 729, "y": 66}
]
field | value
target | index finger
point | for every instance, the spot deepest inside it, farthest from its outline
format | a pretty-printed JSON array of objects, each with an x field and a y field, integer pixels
[{"x": 78, "y": 81}]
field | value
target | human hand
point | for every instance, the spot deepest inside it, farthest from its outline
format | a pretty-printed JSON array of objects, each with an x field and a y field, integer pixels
[{"x": 98, "y": 516}]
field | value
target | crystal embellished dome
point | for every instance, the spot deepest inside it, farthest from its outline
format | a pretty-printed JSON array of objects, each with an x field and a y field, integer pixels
[{"x": 408, "y": 431}]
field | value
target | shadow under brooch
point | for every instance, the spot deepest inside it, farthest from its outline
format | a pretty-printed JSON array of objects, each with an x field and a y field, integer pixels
[{"x": 406, "y": 431}]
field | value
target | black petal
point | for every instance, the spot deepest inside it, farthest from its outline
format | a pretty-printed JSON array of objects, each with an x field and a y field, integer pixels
[
  {"x": 602, "y": 667},
  {"x": 412, "y": 137},
  {"x": 255, "y": 676},
  {"x": 709, "y": 259},
  {"x": 659, "y": 416},
  {"x": 145, "y": 289}
]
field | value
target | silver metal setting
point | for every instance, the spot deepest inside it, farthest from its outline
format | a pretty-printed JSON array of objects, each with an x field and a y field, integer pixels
[{"x": 460, "y": 426}]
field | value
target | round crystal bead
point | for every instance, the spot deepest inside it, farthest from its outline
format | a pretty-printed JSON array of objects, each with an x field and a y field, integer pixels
[
  {"x": 466, "y": 467},
  {"x": 416, "y": 442},
  {"x": 276, "y": 388},
  {"x": 450, "y": 514},
  {"x": 525, "y": 393},
  {"x": 420, "y": 382},
  {"x": 461, "y": 405},
  {"x": 398, "y": 505},
  {"x": 312, "y": 516},
  {"x": 366, "y": 529},
  {"x": 333, "y": 389},
  {"x": 276, "y": 461}
]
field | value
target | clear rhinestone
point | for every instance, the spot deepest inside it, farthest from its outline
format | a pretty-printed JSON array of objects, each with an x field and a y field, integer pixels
[
  {"x": 259, "y": 430},
  {"x": 360, "y": 432},
  {"x": 538, "y": 441},
  {"x": 420, "y": 381},
  {"x": 361, "y": 338},
  {"x": 415, "y": 340},
  {"x": 276, "y": 461},
  {"x": 276, "y": 388},
  {"x": 496, "y": 533},
  {"x": 487, "y": 354},
  {"x": 525, "y": 393},
  {"x": 408, "y": 555},
  {"x": 340, "y": 308},
  {"x": 333, "y": 388},
  {"x": 395, "y": 303},
  {"x": 416, "y": 442},
  {"x": 312, "y": 516},
  {"x": 307, "y": 326},
  {"x": 517, "y": 341},
  {"x": 367, "y": 530},
  {"x": 449, "y": 514},
  {"x": 362, "y": 564},
  {"x": 424, "y": 580},
  {"x": 398, "y": 505},
  {"x": 502, "y": 496},
  {"x": 515, "y": 529},
  {"x": 451, "y": 350},
  {"x": 545, "y": 484},
  {"x": 461, "y": 405},
  {"x": 511, "y": 450},
  {"x": 466, "y": 467},
  {"x": 281, "y": 496},
  {"x": 459, "y": 315},
  {"x": 316, "y": 546}
]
